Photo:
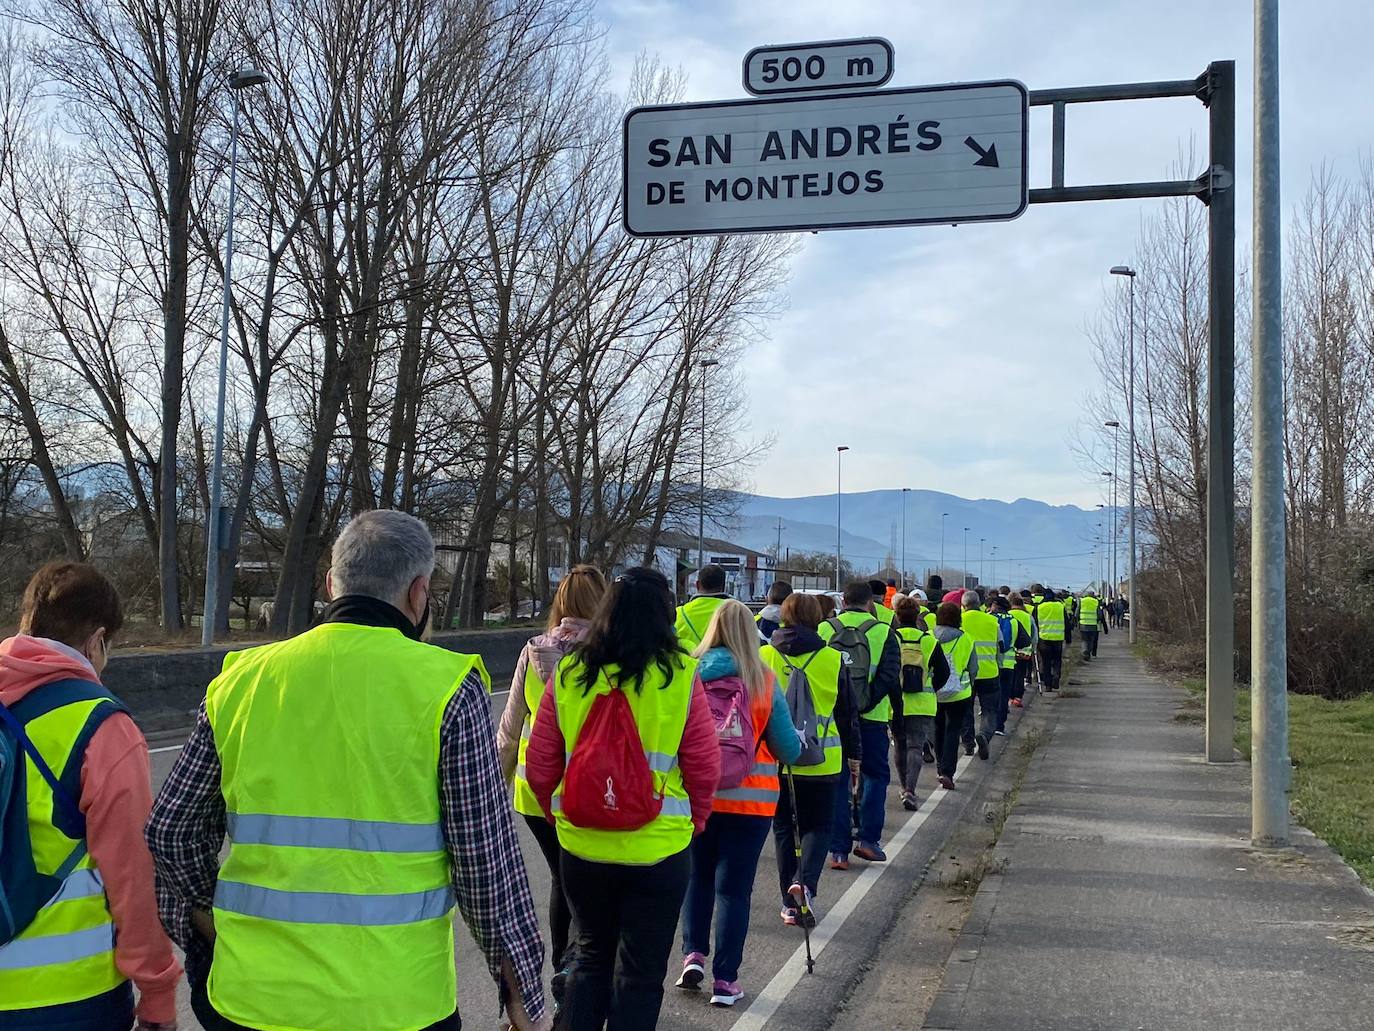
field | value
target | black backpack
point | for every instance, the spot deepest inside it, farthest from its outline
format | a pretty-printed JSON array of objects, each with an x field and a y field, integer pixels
[{"x": 857, "y": 658}]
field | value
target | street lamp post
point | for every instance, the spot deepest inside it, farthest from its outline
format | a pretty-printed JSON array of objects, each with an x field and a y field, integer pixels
[
  {"x": 963, "y": 585},
  {"x": 706, "y": 363},
  {"x": 1123, "y": 270},
  {"x": 905, "y": 492},
  {"x": 214, "y": 544},
  {"x": 1115, "y": 427},
  {"x": 981, "y": 569},
  {"x": 943, "y": 517},
  {"x": 839, "y": 454},
  {"x": 994, "y": 563}
]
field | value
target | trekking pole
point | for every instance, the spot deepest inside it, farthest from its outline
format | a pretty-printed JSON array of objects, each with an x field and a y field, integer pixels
[{"x": 805, "y": 900}]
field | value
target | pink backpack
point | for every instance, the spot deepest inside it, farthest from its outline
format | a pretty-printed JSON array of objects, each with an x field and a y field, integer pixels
[{"x": 728, "y": 698}]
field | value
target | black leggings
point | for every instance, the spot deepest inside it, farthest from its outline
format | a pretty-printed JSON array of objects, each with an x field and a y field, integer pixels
[
  {"x": 560, "y": 915},
  {"x": 626, "y": 921},
  {"x": 949, "y": 727}
]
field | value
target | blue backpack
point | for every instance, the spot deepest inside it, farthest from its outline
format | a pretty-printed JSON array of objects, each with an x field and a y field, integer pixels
[{"x": 23, "y": 890}]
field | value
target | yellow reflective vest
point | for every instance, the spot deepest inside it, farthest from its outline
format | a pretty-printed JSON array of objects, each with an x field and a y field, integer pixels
[
  {"x": 919, "y": 703},
  {"x": 877, "y": 640},
  {"x": 694, "y": 617},
  {"x": 823, "y": 674},
  {"x": 660, "y": 707},
  {"x": 1088, "y": 610},
  {"x": 1050, "y": 616},
  {"x": 957, "y": 652},
  {"x": 1027, "y": 623},
  {"x": 67, "y": 953},
  {"x": 986, "y": 633},
  {"x": 334, "y": 906}
]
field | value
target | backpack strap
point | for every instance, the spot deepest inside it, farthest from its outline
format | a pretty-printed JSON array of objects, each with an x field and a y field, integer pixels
[
  {"x": 834, "y": 623},
  {"x": 66, "y": 785},
  {"x": 682, "y": 611},
  {"x": 866, "y": 626}
]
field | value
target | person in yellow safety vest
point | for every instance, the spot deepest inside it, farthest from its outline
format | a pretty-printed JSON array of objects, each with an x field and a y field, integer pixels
[
  {"x": 881, "y": 685},
  {"x": 806, "y": 799},
  {"x": 1006, "y": 660},
  {"x": 570, "y": 617},
  {"x": 626, "y": 886},
  {"x": 82, "y": 919},
  {"x": 1049, "y": 617},
  {"x": 1070, "y": 615},
  {"x": 924, "y": 664},
  {"x": 880, "y": 607},
  {"x": 1025, "y": 654},
  {"x": 693, "y": 616},
  {"x": 951, "y": 710},
  {"x": 1093, "y": 620},
  {"x": 987, "y": 688},
  {"x": 356, "y": 774}
]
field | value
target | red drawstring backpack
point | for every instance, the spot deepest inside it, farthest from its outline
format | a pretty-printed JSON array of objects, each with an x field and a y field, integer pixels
[{"x": 607, "y": 784}]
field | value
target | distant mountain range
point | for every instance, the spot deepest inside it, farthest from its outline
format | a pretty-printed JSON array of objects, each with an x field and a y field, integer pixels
[{"x": 1034, "y": 540}]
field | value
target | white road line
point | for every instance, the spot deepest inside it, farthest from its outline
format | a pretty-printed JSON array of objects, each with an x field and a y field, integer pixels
[
  {"x": 177, "y": 748},
  {"x": 775, "y": 993}
]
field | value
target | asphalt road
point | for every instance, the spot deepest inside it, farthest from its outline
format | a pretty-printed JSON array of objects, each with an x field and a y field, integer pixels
[{"x": 855, "y": 907}]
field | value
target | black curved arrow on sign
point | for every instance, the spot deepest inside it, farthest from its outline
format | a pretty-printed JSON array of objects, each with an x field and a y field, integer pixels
[{"x": 986, "y": 158}]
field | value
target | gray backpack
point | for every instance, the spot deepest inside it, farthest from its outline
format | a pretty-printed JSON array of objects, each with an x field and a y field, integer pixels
[{"x": 801, "y": 704}]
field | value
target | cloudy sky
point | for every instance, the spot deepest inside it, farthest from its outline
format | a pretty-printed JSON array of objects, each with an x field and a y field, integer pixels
[{"x": 980, "y": 329}]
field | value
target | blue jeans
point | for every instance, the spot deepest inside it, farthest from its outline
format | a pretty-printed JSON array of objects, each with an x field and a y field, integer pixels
[
  {"x": 1008, "y": 680},
  {"x": 108, "y": 1011},
  {"x": 725, "y": 857},
  {"x": 874, "y": 776}
]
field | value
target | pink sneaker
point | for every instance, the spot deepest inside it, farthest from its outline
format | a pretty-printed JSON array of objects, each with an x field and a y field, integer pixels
[
  {"x": 693, "y": 971},
  {"x": 726, "y": 993}
]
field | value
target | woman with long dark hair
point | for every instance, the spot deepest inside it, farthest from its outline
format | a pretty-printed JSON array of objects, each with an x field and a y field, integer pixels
[{"x": 625, "y": 884}]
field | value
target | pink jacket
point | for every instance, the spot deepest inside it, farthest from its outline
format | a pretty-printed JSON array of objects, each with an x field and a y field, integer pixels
[
  {"x": 544, "y": 652},
  {"x": 116, "y": 797},
  {"x": 698, "y": 755}
]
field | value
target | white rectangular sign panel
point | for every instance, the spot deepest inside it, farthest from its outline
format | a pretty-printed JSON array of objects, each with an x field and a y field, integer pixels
[
  {"x": 917, "y": 156},
  {"x": 806, "y": 67}
]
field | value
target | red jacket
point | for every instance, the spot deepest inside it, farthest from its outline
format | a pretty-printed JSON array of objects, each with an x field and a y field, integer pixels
[
  {"x": 116, "y": 797},
  {"x": 698, "y": 756}
]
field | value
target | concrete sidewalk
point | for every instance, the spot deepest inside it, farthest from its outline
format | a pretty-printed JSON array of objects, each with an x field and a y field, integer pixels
[{"x": 1129, "y": 897}]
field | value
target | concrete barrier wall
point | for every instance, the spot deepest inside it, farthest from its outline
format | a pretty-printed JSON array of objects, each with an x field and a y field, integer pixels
[{"x": 164, "y": 689}]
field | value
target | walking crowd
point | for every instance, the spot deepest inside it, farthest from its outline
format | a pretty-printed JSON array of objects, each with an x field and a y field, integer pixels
[{"x": 342, "y": 792}]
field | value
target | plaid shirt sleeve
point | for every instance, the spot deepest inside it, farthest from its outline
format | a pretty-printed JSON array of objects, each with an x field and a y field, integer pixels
[
  {"x": 489, "y": 878},
  {"x": 185, "y": 832}
]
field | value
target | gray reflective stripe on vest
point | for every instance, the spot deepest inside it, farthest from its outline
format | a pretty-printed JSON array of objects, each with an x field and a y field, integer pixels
[
  {"x": 52, "y": 949},
  {"x": 320, "y": 907},
  {"x": 659, "y": 762},
  {"x": 763, "y": 770},
  {"x": 81, "y": 884},
  {"x": 985, "y": 647},
  {"x": 332, "y": 832},
  {"x": 520, "y": 774},
  {"x": 672, "y": 806},
  {"x": 747, "y": 795},
  {"x": 831, "y": 741}
]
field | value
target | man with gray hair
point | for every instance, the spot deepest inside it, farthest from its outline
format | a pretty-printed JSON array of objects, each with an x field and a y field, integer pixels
[{"x": 354, "y": 770}]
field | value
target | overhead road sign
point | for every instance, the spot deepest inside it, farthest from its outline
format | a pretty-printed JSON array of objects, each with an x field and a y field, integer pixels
[
  {"x": 840, "y": 64},
  {"x": 914, "y": 156}
]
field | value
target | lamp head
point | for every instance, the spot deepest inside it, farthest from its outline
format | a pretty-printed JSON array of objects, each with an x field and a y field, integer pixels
[
  {"x": 247, "y": 75},
  {"x": 1123, "y": 270}
]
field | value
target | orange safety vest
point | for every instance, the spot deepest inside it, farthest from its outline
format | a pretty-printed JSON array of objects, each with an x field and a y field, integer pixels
[{"x": 757, "y": 794}]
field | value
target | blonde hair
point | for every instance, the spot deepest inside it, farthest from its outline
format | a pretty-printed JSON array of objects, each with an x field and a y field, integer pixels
[
  {"x": 732, "y": 627},
  {"x": 579, "y": 595}
]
